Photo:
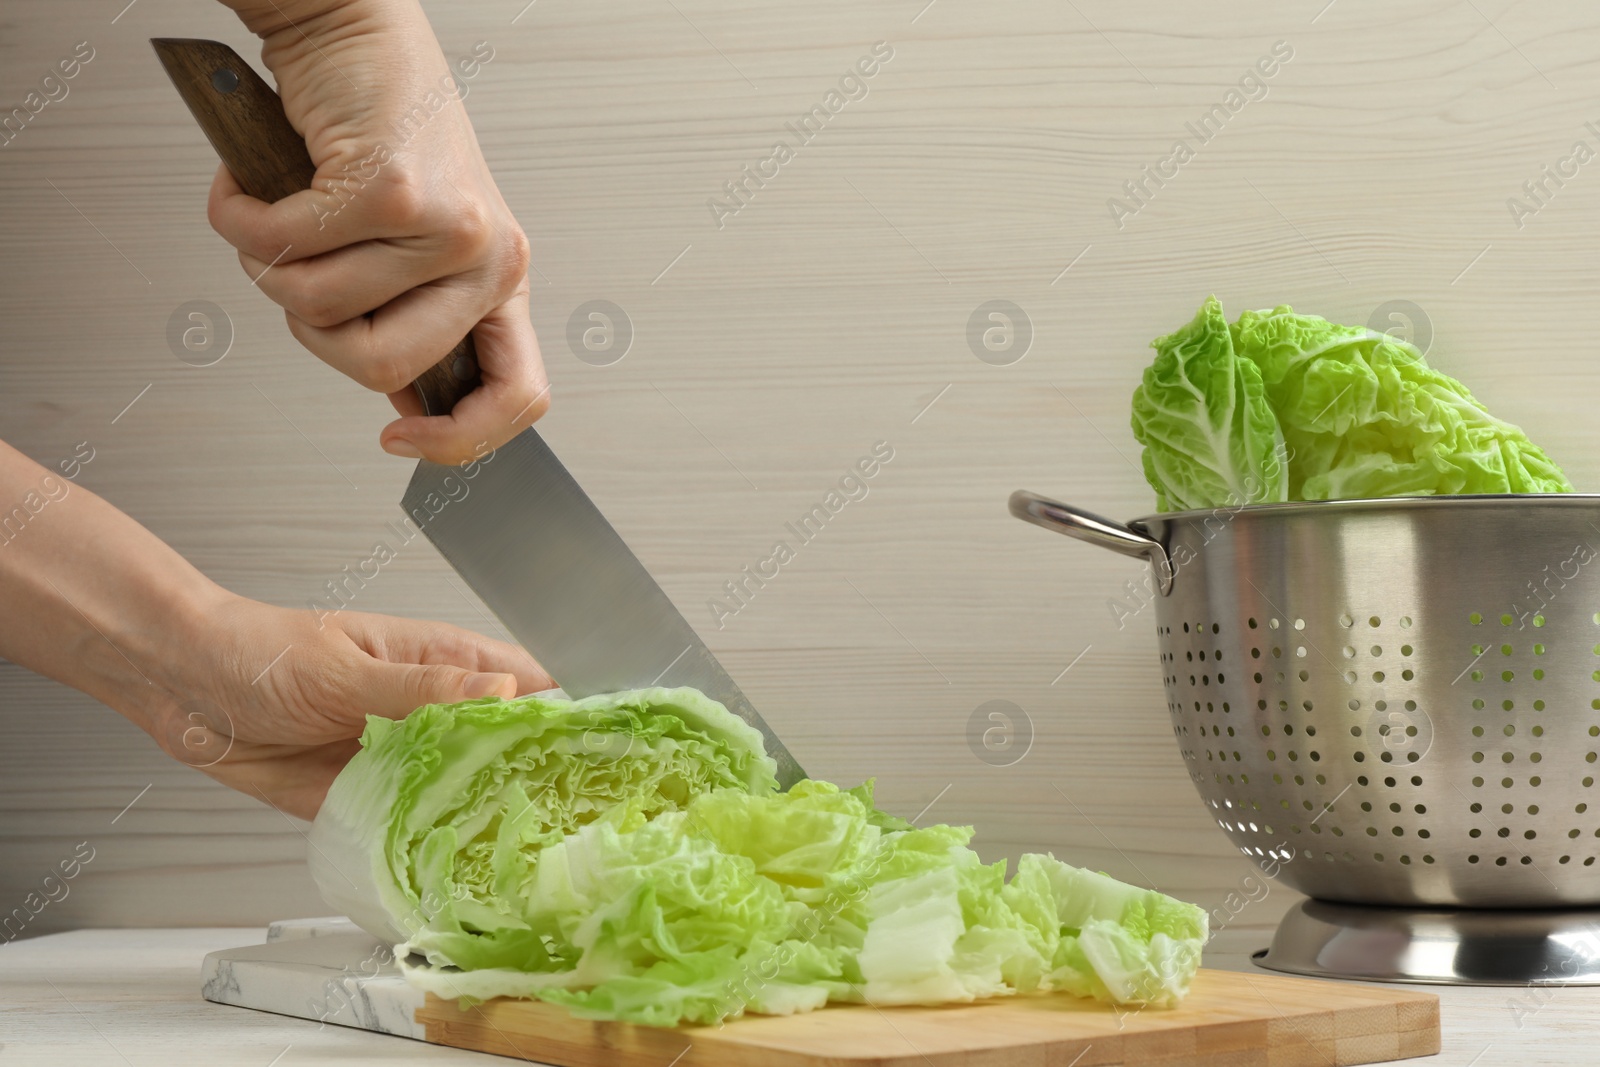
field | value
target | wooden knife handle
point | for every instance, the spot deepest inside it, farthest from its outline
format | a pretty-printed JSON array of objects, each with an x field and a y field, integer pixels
[{"x": 244, "y": 121}]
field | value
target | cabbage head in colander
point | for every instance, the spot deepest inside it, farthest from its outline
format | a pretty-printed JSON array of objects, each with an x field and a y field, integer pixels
[{"x": 1279, "y": 406}]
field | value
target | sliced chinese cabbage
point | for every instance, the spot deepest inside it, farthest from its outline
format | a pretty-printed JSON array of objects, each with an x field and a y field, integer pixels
[
  {"x": 432, "y": 833},
  {"x": 1349, "y": 413},
  {"x": 630, "y": 858},
  {"x": 1115, "y": 942}
]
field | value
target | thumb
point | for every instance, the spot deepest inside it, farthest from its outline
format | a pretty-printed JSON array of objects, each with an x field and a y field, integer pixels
[{"x": 398, "y": 689}]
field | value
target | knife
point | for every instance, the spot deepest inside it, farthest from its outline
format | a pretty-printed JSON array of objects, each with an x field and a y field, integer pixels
[{"x": 513, "y": 523}]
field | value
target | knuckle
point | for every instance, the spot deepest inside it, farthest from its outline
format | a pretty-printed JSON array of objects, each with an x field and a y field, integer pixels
[
  {"x": 467, "y": 232},
  {"x": 359, "y": 359},
  {"x": 260, "y": 240},
  {"x": 535, "y": 404},
  {"x": 434, "y": 683},
  {"x": 517, "y": 256},
  {"x": 314, "y": 303},
  {"x": 523, "y": 407},
  {"x": 322, "y": 318},
  {"x": 214, "y": 213},
  {"x": 400, "y": 199},
  {"x": 383, "y": 375}
]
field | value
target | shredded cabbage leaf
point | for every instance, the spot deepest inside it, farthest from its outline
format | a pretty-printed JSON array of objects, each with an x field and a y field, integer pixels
[
  {"x": 1278, "y": 406},
  {"x": 629, "y": 856}
]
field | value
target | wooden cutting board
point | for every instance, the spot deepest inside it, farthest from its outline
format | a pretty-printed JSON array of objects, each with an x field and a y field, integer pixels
[
  {"x": 1229, "y": 1018},
  {"x": 330, "y": 971}
]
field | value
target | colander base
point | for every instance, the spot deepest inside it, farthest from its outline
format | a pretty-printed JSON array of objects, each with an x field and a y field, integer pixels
[{"x": 1437, "y": 946}]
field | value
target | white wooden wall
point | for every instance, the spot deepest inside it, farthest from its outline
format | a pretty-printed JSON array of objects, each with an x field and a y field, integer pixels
[{"x": 828, "y": 314}]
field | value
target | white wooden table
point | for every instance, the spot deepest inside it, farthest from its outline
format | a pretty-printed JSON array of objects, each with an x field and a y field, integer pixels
[{"x": 132, "y": 997}]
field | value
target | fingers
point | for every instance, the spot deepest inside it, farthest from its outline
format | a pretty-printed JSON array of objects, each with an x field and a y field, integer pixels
[
  {"x": 347, "y": 283},
  {"x": 388, "y": 349},
  {"x": 514, "y": 392},
  {"x": 333, "y": 214},
  {"x": 386, "y": 266},
  {"x": 398, "y": 689},
  {"x": 456, "y": 652}
]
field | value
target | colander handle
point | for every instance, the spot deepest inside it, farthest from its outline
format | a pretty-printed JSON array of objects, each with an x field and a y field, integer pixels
[{"x": 1074, "y": 522}]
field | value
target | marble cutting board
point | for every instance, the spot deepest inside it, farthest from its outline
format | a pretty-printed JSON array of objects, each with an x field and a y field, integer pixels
[{"x": 326, "y": 970}]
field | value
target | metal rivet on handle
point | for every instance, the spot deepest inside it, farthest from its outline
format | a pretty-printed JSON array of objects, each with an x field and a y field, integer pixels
[
  {"x": 461, "y": 368},
  {"x": 224, "y": 80}
]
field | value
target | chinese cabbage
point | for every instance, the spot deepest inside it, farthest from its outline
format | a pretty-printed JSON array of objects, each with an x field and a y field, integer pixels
[
  {"x": 1279, "y": 406},
  {"x": 629, "y": 857}
]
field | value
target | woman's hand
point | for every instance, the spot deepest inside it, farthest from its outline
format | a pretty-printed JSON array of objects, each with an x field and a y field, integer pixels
[
  {"x": 264, "y": 699},
  {"x": 403, "y": 245},
  {"x": 272, "y": 702}
]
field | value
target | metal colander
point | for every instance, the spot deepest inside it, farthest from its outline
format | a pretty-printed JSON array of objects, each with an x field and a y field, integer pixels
[{"x": 1390, "y": 702}]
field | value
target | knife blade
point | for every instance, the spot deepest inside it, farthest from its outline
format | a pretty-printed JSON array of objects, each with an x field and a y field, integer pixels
[
  {"x": 538, "y": 552},
  {"x": 513, "y": 523}
]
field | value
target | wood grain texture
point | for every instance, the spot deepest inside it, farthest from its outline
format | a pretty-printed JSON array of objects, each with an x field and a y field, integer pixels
[
  {"x": 241, "y": 116},
  {"x": 768, "y": 355},
  {"x": 1227, "y": 1018}
]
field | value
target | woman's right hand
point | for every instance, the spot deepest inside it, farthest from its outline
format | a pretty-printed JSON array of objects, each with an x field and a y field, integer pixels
[{"x": 404, "y": 245}]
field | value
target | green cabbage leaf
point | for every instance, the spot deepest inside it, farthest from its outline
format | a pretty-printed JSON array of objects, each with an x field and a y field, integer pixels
[
  {"x": 1202, "y": 413},
  {"x": 628, "y": 856},
  {"x": 1279, "y": 406}
]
